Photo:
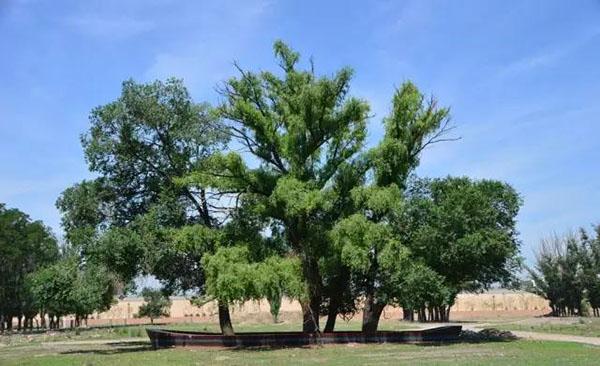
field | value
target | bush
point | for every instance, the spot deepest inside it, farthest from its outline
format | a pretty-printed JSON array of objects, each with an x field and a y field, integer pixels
[{"x": 156, "y": 304}]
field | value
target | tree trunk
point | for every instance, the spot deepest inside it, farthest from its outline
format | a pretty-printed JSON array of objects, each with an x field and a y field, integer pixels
[
  {"x": 331, "y": 318},
  {"x": 311, "y": 309},
  {"x": 336, "y": 293},
  {"x": 310, "y": 316},
  {"x": 371, "y": 314},
  {"x": 332, "y": 312},
  {"x": 224, "y": 316},
  {"x": 421, "y": 315},
  {"x": 311, "y": 274},
  {"x": 225, "y": 320},
  {"x": 407, "y": 315}
]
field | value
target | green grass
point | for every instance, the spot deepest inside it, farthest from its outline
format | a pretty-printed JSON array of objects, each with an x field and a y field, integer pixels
[
  {"x": 582, "y": 327},
  {"x": 128, "y": 346},
  {"x": 137, "y": 331},
  {"x": 503, "y": 353}
]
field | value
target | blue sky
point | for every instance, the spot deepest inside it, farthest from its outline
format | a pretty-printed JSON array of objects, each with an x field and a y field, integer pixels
[{"x": 522, "y": 79}]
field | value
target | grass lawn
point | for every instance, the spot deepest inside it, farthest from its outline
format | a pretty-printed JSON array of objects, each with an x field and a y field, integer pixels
[
  {"x": 137, "y": 331},
  {"x": 589, "y": 327},
  {"x": 124, "y": 346},
  {"x": 140, "y": 353}
]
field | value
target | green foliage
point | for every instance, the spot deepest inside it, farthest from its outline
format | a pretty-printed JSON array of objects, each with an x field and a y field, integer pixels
[
  {"x": 299, "y": 123},
  {"x": 302, "y": 129},
  {"x": 364, "y": 243},
  {"x": 303, "y": 211},
  {"x": 84, "y": 211},
  {"x": 566, "y": 273},
  {"x": 274, "y": 307},
  {"x": 413, "y": 124},
  {"x": 156, "y": 304},
  {"x": 67, "y": 287},
  {"x": 231, "y": 277},
  {"x": 368, "y": 240},
  {"x": 25, "y": 246},
  {"x": 139, "y": 143},
  {"x": 464, "y": 230},
  {"x": 423, "y": 288}
]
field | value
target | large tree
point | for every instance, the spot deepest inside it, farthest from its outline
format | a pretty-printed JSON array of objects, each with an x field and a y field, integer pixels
[
  {"x": 299, "y": 129},
  {"x": 464, "y": 230},
  {"x": 138, "y": 144},
  {"x": 299, "y": 188},
  {"x": 366, "y": 239}
]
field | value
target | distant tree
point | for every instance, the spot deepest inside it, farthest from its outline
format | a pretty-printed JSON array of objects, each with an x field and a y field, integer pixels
[
  {"x": 68, "y": 287},
  {"x": 25, "y": 246},
  {"x": 93, "y": 291},
  {"x": 591, "y": 267},
  {"x": 425, "y": 292},
  {"x": 156, "y": 304},
  {"x": 567, "y": 273},
  {"x": 53, "y": 289}
]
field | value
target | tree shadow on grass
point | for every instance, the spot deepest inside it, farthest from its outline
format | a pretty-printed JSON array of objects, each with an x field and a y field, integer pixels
[
  {"x": 270, "y": 348},
  {"x": 487, "y": 335},
  {"x": 113, "y": 348}
]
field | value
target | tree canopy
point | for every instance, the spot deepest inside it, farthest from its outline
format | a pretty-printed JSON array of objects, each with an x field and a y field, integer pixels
[{"x": 273, "y": 192}]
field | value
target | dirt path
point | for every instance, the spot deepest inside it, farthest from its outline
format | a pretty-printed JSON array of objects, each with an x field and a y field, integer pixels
[
  {"x": 556, "y": 337},
  {"x": 539, "y": 336}
]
